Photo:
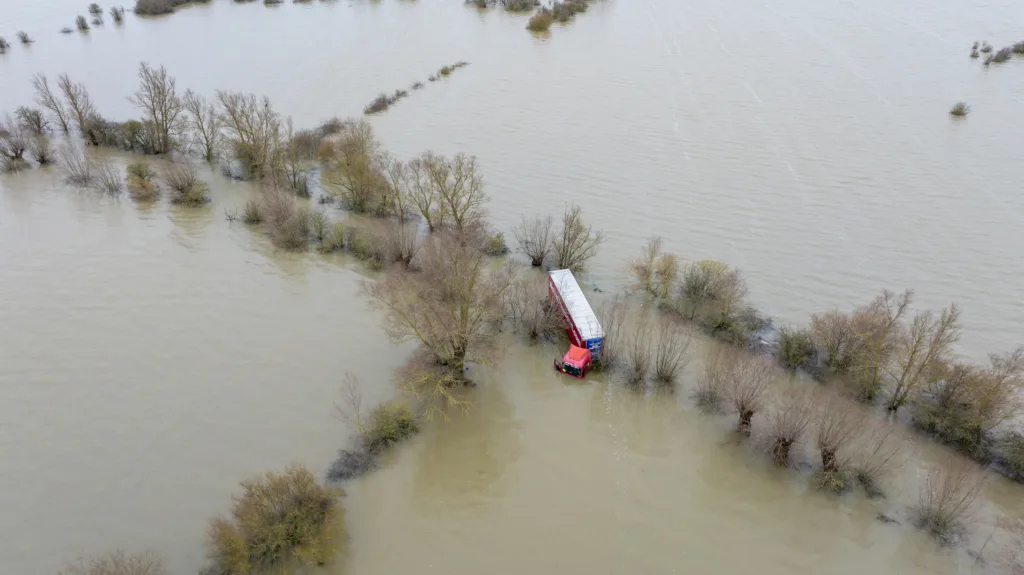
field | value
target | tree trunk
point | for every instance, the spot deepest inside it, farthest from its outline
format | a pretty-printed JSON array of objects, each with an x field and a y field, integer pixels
[
  {"x": 746, "y": 416},
  {"x": 828, "y": 461}
]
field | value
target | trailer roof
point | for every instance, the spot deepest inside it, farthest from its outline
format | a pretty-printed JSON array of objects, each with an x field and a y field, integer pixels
[{"x": 579, "y": 308}]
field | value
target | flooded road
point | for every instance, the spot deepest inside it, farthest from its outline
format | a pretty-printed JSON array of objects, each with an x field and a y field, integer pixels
[{"x": 150, "y": 358}]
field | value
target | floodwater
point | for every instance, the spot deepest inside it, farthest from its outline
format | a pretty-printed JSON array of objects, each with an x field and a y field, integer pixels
[{"x": 152, "y": 357}]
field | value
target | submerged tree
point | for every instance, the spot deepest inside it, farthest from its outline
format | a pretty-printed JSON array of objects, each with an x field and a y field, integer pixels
[
  {"x": 948, "y": 496},
  {"x": 50, "y": 101},
  {"x": 118, "y": 562},
  {"x": 353, "y": 174},
  {"x": 921, "y": 347},
  {"x": 837, "y": 427},
  {"x": 253, "y": 129},
  {"x": 451, "y": 307},
  {"x": 205, "y": 124},
  {"x": 83, "y": 112},
  {"x": 787, "y": 423},
  {"x": 535, "y": 237},
  {"x": 161, "y": 106},
  {"x": 747, "y": 378},
  {"x": 877, "y": 326},
  {"x": 575, "y": 241}
]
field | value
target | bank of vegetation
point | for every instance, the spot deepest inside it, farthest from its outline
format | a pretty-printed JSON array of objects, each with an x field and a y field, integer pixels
[
  {"x": 993, "y": 56},
  {"x": 384, "y": 101},
  {"x": 560, "y": 11}
]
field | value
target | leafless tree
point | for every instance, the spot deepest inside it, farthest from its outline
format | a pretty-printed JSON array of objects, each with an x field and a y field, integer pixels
[
  {"x": 876, "y": 453},
  {"x": 425, "y": 195},
  {"x": 713, "y": 384},
  {"x": 654, "y": 271},
  {"x": 78, "y": 170},
  {"x": 452, "y": 306},
  {"x": 350, "y": 409},
  {"x": 787, "y": 423},
  {"x": 398, "y": 186},
  {"x": 158, "y": 99},
  {"x": 612, "y": 315},
  {"x": 638, "y": 351},
  {"x": 294, "y": 154},
  {"x": 108, "y": 179},
  {"x": 399, "y": 242},
  {"x": 354, "y": 175},
  {"x": 189, "y": 189},
  {"x": 253, "y": 128},
  {"x": 529, "y": 309},
  {"x": 32, "y": 120},
  {"x": 921, "y": 346},
  {"x": 50, "y": 101},
  {"x": 14, "y": 138},
  {"x": 948, "y": 495},
  {"x": 535, "y": 237},
  {"x": 834, "y": 333},
  {"x": 40, "y": 149},
  {"x": 205, "y": 123},
  {"x": 82, "y": 110},
  {"x": 671, "y": 350},
  {"x": 459, "y": 187},
  {"x": 748, "y": 378},
  {"x": 118, "y": 563},
  {"x": 876, "y": 326},
  {"x": 838, "y": 424},
  {"x": 575, "y": 241}
]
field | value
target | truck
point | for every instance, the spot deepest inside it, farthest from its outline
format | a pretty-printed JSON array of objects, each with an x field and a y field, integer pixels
[{"x": 581, "y": 324}]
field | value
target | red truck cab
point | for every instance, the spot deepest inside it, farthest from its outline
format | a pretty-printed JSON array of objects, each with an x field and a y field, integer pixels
[{"x": 576, "y": 362}]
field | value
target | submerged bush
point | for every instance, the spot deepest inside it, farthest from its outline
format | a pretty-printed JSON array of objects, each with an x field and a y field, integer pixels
[
  {"x": 4, "y": 45},
  {"x": 108, "y": 179},
  {"x": 787, "y": 424},
  {"x": 541, "y": 21},
  {"x": 1011, "y": 447},
  {"x": 986, "y": 48},
  {"x": 141, "y": 181},
  {"x": 118, "y": 563},
  {"x": 947, "y": 498},
  {"x": 379, "y": 104},
  {"x": 76, "y": 167},
  {"x": 1002, "y": 55},
  {"x": 188, "y": 188},
  {"x": 81, "y": 23},
  {"x": 389, "y": 424},
  {"x": 156, "y": 7},
  {"x": 24, "y": 38},
  {"x": 117, "y": 13},
  {"x": 494, "y": 244},
  {"x": 1018, "y": 48},
  {"x": 41, "y": 150},
  {"x": 9, "y": 165},
  {"x": 95, "y": 9},
  {"x": 252, "y": 213},
  {"x": 278, "y": 518},
  {"x": 521, "y": 5},
  {"x": 289, "y": 224},
  {"x": 795, "y": 347}
]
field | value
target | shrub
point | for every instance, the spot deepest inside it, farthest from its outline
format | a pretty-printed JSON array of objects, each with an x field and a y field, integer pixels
[
  {"x": 117, "y": 13},
  {"x": 985, "y": 48},
  {"x": 379, "y": 104},
  {"x": 252, "y": 213},
  {"x": 66, "y": 30},
  {"x": 9, "y": 165},
  {"x": 612, "y": 315},
  {"x": 960, "y": 109},
  {"x": 837, "y": 425},
  {"x": 494, "y": 244},
  {"x": 444, "y": 71},
  {"x": 638, "y": 352},
  {"x": 947, "y": 497},
  {"x": 564, "y": 11},
  {"x": 82, "y": 24},
  {"x": 1002, "y": 55},
  {"x": 875, "y": 454},
  {"x": 95, "y": 9},
  {"x": 188, "y": 188},
  {"x": 289, "y": 225},
  {"x": 795, "y": 347},
  {"x": 1018, "y": 48},
  {"x": 40, "y": 149},
  {"x": 710, "y": 393},
  {"x": 77, "y": 169},
  {"x": 141, "y": 181},
  {"x": 278, "y": 518},
  {"x": 4, "y": 45},
  {"x": 1011, "y": 446},
  {"x": 711, "y": 293},
  {"x": 334, "y": 239},
  {"x": 118, "y": 563},
  {"x": 416, "y": 85},
  {"x": 32, "y": 119},
  {"x": 788, "y": 421},
  {"x": 14, "y": 138},
  {"x": 394, "y": 242},
  {"x": 108, "y": 179},
  {"x": 747, "y": 378},
  {"x": 541, "y": 21},
  {"x": 520, "y": 5},
  {"x": 352, "y": 463},
  {"x": 24, "y": 38},
  {"x": 975, "y": 53},
  {"x": 388, "y": 424}
]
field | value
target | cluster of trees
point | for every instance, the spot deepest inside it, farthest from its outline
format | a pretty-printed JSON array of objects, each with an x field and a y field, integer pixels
[{"x": 560, "y": 11}]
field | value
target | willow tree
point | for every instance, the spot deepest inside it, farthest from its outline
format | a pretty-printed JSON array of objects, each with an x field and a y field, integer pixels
[
  {"x": 161, "y": 106},
  {"x": 452, "y": 307},
  {"x": 922, "y": 347}
]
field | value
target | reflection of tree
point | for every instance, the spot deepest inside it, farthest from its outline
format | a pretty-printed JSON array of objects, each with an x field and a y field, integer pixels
[{"x": 466, "y": 457}]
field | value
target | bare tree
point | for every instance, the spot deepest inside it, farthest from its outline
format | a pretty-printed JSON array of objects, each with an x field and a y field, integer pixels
[
  {"x": 399, "y": 189},
  {"x": 748, "y": 378},
  {"x": 787, "y": 423},
  {"x": 14, "y": 138},
  {"x": 205, "y": 123},
  {"x": 671, "y": 350},
  {"x": 837, "y": 426},
  {"x": 535, "y": 237},
  {"x": 32, "y": 119},
  {"x": 399, "y": 242},
  {"x": 118, "y": 563},
  {"x": 189, "y": 189},
  {"x": 161, "y": 106},
  {"x": 612, "y": 315},
  {"x": 425, "y": 195},
  {"x": 833, "y": 332},
  {"x": 641, "y": 269},
  {"x": 82, "y": 110},
  {"x": 452, "y": 306},
  {"x": 459, "y": 187},
  {"x": 350, "y": 410},
  {"x": 529, "y": 309},
  {"x": 353, "y": 174},
  {"x": 575, "y": 242},
  {"x": 713, "y": 384},
  {"x": 294, "y": 154},
  {"x": 78, "y": 170},
  {"x": 876, "y": 453},
  {"x": 921, "y": 346},
  {"x": 876, "y": 326},
  {"x": 253, "y": 128},
  {"x": 108, "y": 179},
  {"x": 50, "y": 101},
  {"x": 41, "y": 150},
  {"x": 638, "y": 352},
  {"x": 948, "y": 495}
]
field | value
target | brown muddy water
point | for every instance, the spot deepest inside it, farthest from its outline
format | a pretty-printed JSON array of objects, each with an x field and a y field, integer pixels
[{"x": 152, "y": 357}]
